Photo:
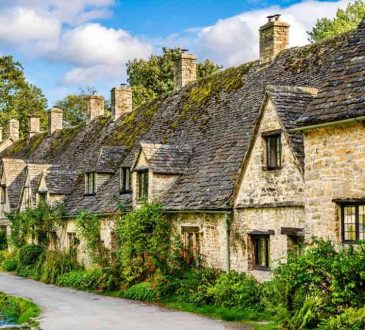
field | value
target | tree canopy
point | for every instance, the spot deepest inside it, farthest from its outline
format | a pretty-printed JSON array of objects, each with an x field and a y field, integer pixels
[
  {"x": 344, "y": 21},
  {"x": 74, "y": 106},
  {"x": 155, "y": 76},
  {"x": 19, "y": 98}
]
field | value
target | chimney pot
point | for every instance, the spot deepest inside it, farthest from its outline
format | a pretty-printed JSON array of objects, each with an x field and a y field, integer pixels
[
  {"x": 94, "y": 106},
  {"x": 121, "y": 99},
  {"x": 33, "y": 125},
  {"x": 274, "y": 38},
  {"x": 55, "y": 120},
  {"x": 13, "y": 129},
  {"x": 185, "y": 69}
]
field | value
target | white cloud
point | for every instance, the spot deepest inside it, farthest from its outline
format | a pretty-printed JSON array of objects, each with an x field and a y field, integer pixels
[{"x": 235, "y": 40}]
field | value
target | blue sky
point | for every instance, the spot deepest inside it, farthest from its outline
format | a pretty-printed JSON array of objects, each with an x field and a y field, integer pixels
[{"x": 68, "y": 44}]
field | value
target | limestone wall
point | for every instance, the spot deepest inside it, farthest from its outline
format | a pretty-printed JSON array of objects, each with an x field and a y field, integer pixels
[
  {"x": 262, "y": 219},
  {"x": 213, "y": 235},
  {"x": 334, "y": 169}
]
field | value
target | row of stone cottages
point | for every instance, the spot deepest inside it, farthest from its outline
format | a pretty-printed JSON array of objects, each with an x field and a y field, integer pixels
[{"x": 249, "y": 163}]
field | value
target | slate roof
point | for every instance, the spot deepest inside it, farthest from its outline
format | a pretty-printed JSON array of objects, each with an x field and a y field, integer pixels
[
  {"x": 166, "y": 158},
  {"x": 15, "y": 173},
  {"x": 34, "y": 173},
  {"x": 109, "y": 157},
  {"x": 60, "y": 181},
  {"x": 342, "y": 95},
  {"x": 291, "y": 103},
  {"x": 214, "y": 116}
]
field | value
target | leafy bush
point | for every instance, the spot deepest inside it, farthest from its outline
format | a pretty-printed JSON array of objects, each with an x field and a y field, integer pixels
[
  {"x": 235, "y": 290},
  {"x": 316, "y": 286},
  {"x": 350, "y": 319},
  {"x": 141, "y": 291},
  {"x": 57, "y": 263},
  {"x": 29, "y": 254},
  {"x": 81, "y": 279},
  {"x": 10, "y": 265},
  {"x": 3, "y": 239},
  {"x": 145, "y": 245}
]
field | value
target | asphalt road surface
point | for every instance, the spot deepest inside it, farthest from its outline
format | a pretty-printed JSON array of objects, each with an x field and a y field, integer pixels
[{"x": 68, "y": 309}]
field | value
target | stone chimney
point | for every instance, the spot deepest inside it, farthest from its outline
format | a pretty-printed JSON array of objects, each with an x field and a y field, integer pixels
[
  {"x": 121, "y": 99},
  {"x": 55, "y": 120},
  {"x": 185, "y": 69},
  {"x": 274, "y": 37},
  {"x": 33, "y": 125},
  {"x": 13, "y": 129},
  {"x": 94, "y": 106}
]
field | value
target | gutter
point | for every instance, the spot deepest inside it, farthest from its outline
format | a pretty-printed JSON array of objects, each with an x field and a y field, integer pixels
[
  {"x": 216, "y": 211},
  {"x": 332, "y": 123}
]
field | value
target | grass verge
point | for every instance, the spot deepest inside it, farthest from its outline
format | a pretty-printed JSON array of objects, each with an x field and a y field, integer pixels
[{"x": 18, "y": 310}]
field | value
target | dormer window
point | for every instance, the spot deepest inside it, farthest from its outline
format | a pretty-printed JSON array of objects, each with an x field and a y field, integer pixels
[
  {"x": 273, "y": 150},
  {"x": 90, "y": 184},
  {"x": 142, "y": 177},
  {"x": 3, "y": 194},
  {"x": 125, "y": 180}
]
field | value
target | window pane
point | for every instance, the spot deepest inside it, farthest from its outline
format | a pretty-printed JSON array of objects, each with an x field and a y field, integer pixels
[
  {"x": 350, "y": 223},
  {"x": 273, "y": 150},
  {"x": 361, "y": 222},
  {"x": 262, "y": 251}
]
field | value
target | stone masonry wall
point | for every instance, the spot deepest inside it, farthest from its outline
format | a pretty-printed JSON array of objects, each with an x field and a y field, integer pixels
[
  {"x": 334, "y": 169},
  {"x": 213, "y": 235},
  {"x": 185, "y": 70},
  {"x": 121, "y": 101}
]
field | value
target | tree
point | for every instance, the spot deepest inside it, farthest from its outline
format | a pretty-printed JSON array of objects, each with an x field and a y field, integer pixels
[
  {"x": 155, "y": 76},
  {"x": 344, "y": 21},
  {"x": 18, "y": 98},
  {"x": 74, "y": 106}
]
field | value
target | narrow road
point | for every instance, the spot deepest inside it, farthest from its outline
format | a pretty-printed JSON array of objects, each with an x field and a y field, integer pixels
[{"x": 68, "y": 309}]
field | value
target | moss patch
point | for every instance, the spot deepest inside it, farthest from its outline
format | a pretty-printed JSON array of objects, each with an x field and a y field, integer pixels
[{"x": 62, "y": 138}]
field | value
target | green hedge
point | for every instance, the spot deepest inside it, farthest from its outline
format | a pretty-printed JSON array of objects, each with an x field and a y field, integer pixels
[{"x": 82, "y": 279}]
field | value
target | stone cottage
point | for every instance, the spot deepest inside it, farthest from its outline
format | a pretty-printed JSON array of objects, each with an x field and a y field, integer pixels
[{"x": 250, "y": 163}]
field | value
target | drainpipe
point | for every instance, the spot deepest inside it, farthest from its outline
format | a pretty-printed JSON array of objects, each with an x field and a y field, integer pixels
[{"x": 227, "y": 229}]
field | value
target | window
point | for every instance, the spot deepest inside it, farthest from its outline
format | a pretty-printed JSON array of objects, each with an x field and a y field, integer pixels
[
  {"x": 191, "y": 237},
  {"x": 353, "y": 223},
  {"x": 273, "y": 151},
  {"x": 296, "y": 245},
  {"x": 3, "y": 194},
  {"x": 90, "y": 188},
  {"x": 27, "y": 197},
  {"x": 142, "y": 184},
  {"x": 125, "y": 180},
  {"x": 72, "y": 240},
  {"x": 261, "y": 245},
  {"x": 42, "y": 197}
]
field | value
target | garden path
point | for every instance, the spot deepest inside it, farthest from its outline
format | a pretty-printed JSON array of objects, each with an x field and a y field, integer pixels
[{"x": 68, "y": 309}]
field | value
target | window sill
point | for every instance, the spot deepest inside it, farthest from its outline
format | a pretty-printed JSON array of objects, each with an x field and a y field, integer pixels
[
  {"x": 265, "y": 269},
  {"x": 272, "y": 169}
]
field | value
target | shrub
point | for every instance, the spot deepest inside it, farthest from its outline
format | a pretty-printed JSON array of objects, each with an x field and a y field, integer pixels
[
  {"x": 3, "y": 239},
  {"x": 141, "y": 291},
  {"x": 145, "y": 245},
  {"x": 316, "y": 286},
  {"x": 57, "y": 263},
  {"x": 234, "y": 290},
  {"x": 350, "y": 319},
  {"x": 10, "y": 265},
  {"x": 81, "y": 279},
  {"x": 29, "y": 255}
]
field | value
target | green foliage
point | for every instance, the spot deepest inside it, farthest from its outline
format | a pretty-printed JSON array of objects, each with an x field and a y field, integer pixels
[
  {"x": 10, "y": 265},
  {"x": 29, "y": 254},
  {"x": 57, "y": 263},
  {"x": 144, "y": 243},
  {"x": 3, "y": 239},
  {"x": 74, "y": 106},
  {"x": 350, "y": 319},
  {"x": 17, "y": 310},
  {"x": 81, "y": 279},
  {"x": 34, "y": 224},
  {"x": 317, "y": 285},
  {"x": 18, "y": 98},
  {"x": 344, "y": 21},
  {"x": 141, "y": 291},
  {"x": 155, "y": 76}
]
